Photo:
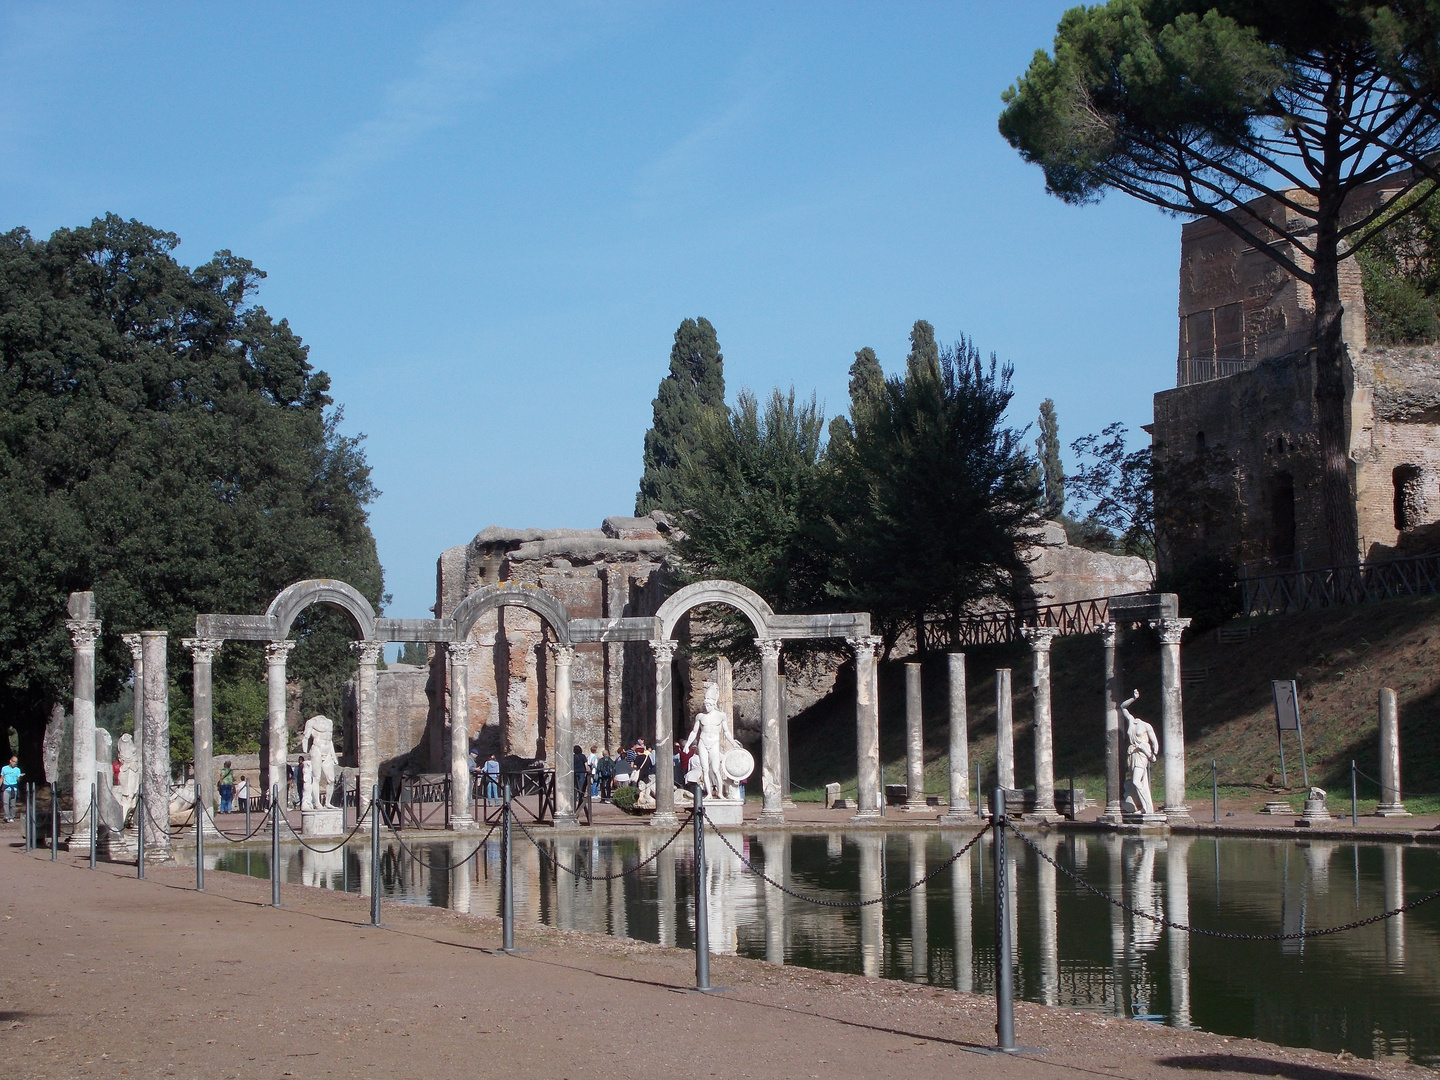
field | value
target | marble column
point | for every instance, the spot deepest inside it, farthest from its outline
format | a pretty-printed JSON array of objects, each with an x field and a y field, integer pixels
[
  {"x": 84, "y": 630},
  {"x": 914, "y": 740},
  {"x": 664, "y": 815},
  {"x": 867, "y": 728},
  {"x": 1177, "y": 909},
  {"x": 1172, "y": 719},
  {"x": 1049, "y": 922},
  {"x": 919, "y": 911},
  {"x": 784, "y": 713},
  {"x": 367, "y": 757},
  {"x": 202, "y": 656},
  {"x": 1040, "y": 639},
  {"x": 959, "y": 740},
  {"x": 964, "y": 915},
  {"x": 773, "y": 812},
  {"x": 1004, "y": 732},
  {"x": 457, "y": 659},
  {"x": 1114, "y": 782},
  {"x": 1394, "y": 870},
  {"x": 872, "y": 917},
  {"x": 1391, "y": 804},
  {"x": 137, "y": 676},
  {"x": 155, "y": 779},
  {"x": 278, "y": 735},
  {"x": 564, "y": 754}
]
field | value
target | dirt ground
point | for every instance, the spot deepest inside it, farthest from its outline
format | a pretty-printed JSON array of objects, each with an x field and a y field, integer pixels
[{"x": 104, "y": 975}]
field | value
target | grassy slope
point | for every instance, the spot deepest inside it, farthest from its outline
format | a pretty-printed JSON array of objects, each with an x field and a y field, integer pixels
[{"x": 1340, "y": 658}]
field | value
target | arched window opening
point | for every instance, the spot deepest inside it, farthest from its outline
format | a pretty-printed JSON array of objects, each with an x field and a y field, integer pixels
[{"x": 1411, "y": 508}]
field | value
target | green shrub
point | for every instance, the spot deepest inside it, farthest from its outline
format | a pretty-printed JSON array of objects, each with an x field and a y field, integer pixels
[{"x": 624, "y": 797}]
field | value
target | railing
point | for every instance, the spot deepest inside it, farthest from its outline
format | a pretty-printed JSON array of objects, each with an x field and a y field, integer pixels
[
  {"x": 1191, "y": 371},
  {"x": 999, "y": 627},
  {"x": 1331, "y": 586},
  {"x": 1198, "y": 369},
  {"x": 421, "y": 802},
  {"x": 536, "y": 782}
]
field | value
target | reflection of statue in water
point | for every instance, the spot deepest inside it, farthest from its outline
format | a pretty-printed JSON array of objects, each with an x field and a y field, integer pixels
[
  {"x": 716, "y": 738},
  {"x": 128, "y": 786},
  {"x": 317, "y": 740},
  {"x": 1143, "y": 748}
]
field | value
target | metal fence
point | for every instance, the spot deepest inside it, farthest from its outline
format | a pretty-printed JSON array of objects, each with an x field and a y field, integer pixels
[
  {"x": 999, "y": 627},
  {"x": 1331, "y": 586}
]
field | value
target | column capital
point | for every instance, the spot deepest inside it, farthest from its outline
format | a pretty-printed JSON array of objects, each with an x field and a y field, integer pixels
[
  {"x": 132, "y": 642},
  {"x": 563, "y": 652},
  {"x": 459, "y": 652},
  {"x": 664, "y": 650},
  {"x": 368, "y": 651},
  {"x": 769, "y": 648},
  {"x": 83, "y": 632},
  {"x": 277, "y": 651},
  {"x": 1170, "y": 630},
  {"x": 201, "y": 649},
  {"x": 869, "y": 645},
  {"x": 1108, "y": 633},
  {"x": 1040, "y": 637}
]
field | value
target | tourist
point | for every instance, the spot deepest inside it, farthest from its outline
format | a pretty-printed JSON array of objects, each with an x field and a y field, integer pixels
[
  {"x": 646, "y": 760},
  {"x": 491, "y": 769},
  {"x": 227, "y": 788},
  {"x": 592, "y": 766},
  {"x": 605, "y": 770},
  {"x": 624, "y": 767},
  {"x": 677, "y": 774},
  {"x": 10, "y": 782},
  {"x": 242, "y": 793},
  {"x": 578, "y": 765}
]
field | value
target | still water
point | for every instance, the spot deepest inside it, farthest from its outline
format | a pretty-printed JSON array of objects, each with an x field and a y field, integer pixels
[{"x": 1373, "y": 991}]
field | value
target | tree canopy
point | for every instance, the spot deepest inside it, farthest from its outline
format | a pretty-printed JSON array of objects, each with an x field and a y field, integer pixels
[
  {"x": 166, "y": 443},
  {"x": 694, "y": 388},
  {"x": 1203, "y": 106}
]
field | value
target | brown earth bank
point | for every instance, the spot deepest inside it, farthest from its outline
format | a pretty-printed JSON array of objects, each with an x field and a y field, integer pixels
[{"x": 104, "y": 975}]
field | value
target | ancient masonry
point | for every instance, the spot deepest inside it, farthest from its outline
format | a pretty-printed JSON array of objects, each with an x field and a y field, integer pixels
[{"x": 1245, "y": 386}]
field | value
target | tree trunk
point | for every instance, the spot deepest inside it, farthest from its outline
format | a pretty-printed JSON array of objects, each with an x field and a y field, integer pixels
[{"x": 1337, "y": 499}]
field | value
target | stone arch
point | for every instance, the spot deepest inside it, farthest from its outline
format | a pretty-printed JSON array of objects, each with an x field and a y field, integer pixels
[
  {"x": 494, "y": 596},
  {"x": 746, "y": 601},
  {"x": 296, "y": 598}
]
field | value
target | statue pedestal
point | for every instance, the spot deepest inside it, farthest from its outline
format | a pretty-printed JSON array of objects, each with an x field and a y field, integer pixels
[
  {"x": 1145, "y": 821},
  {"x": 1315, "y": 813},
  {"x": 326, "y": 821},
  {"x": 725, "y": 811}
]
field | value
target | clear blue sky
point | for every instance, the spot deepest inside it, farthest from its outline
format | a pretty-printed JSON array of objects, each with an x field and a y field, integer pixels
[{"x": 487, "y": 220}]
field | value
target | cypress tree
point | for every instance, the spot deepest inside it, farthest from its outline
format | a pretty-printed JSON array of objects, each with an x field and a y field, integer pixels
[
  {"x": 867, "y": 386},
  {"x": 694, "y": 387},
  {"x": 924, "y": 358},
  {"x": 1052, "y": 470}
]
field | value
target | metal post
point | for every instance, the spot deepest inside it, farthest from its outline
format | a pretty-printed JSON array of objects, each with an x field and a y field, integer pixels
[
  {"x": 275, "y": 845},
  {"x": 1284, "y": 777},
  {"x": 140, "y": 836},
  {"x": 507, "y": 878},
  {"x": 93, "y": 830},
  {"x": 29, "y": 817},
  {"x": 54, "y": 823},
  {"x": 374, "y": 853},
  {"x": 247, "y": 809},
  {"x": 1004, "y": 970},
  {"x": 1354, "y": 808},
  {"x": 1304, "y": 768},
  {"x": 702, "y": 914},
  {"x": 1073, "y": 813},
  {"x": 199, "y": 845},
  {"x": 1215, "y": 789}
]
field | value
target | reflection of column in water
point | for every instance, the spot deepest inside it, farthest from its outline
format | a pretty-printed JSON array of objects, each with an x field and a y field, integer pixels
[
  {"x": 528, "y": 868},
  {"x": 1317, "y": 865},
  {"x": 364, "y": 864},
  {"x": 460, "y": 872},
  {"x": 871, "y": 917},
  {"x": 1012, "y": 900},
  {"x": 665, "y": 894},
  {"x": 919, "y": 928},
  {"x": 960, "y": 896},
  {"x": 723, "y": 874},
  {"x": 1114, "y": 856},
  {"x": 1049, "y": 934},
  {"x": 615, "y": 891},
  {"x": 318, "y": 869},
  {"x": 773, "y": 844},
  {"x": 1292, "y": 908},
  {"x": 567, "y": 854},
  {"x": 1177, "y": 909},
  {"x": 834, "y": 845},
  {"x": 1394, "y": 897}
]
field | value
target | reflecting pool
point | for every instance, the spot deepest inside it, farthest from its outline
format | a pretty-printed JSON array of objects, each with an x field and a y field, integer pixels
[{"x": 1373, "y": 991}]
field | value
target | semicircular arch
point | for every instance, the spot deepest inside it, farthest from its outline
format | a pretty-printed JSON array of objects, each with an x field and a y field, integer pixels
[
  {"x": 496, "y": 596},
  {"x": 293, "y": 599},
  {"x": 731, "y": 593}
]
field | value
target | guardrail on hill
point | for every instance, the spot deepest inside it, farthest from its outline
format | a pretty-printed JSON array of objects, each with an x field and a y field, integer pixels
[
  {"x": 999, "y": 627},
  {"x": 1331, "y": 586}
]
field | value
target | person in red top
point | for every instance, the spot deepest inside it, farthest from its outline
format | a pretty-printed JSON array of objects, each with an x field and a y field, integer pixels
[{"x": 116, "y": 765}]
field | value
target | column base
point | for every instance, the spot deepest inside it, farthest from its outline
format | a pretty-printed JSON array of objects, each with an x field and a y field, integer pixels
[
  {"x": 1049, "y": 815},
  {"x": 1392, "y": 809},
  {"x": 464, "y": 824},
  {"x": 658, "y": 820},
  {"x": 1113, "y": 814},
  {"x": 861, "y": 816},
  {"x": 772, "y": 817},
  {"x": 1146, "y": 821},
  {"x": 959, "y": 810},
  {"x": 1179, "y": 815},
  {"x": 77, "y": 842},
  {"x": 570, "y": 821}
]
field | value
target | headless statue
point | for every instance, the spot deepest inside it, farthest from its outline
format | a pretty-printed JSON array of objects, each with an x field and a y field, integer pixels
[
  {"x": 318, "y": 742},
  {"x": 1141, "y": 750},
  {"x": 715, "y": 736}
]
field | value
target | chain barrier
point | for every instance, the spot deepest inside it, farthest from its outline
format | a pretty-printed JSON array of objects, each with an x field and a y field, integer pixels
[
  {"x": 233, "y": 839},
  {"x": 1378, "y": 783},
  {"x": 846, "y": 903},
  {"x": 1162, "y": 921},
  {"x": 434, "y": 869},
  {"x": 604, "y": 877},
  {"x": 326, "y": 851},
  {"x": 168, "y": 830}
]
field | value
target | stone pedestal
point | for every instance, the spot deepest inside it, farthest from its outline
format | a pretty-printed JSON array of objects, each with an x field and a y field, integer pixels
[
  {"x": 728, "y": 812},
  {"x": 324, "y": 822},
  {"x": 1277, "y": 807},
  {"x": 1146, "y": 821},
  {"x": 1315, "y": 813}
]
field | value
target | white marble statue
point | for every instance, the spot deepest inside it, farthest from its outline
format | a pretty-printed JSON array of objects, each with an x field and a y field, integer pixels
[
  {"x": 308, "y": 798},
  {"x": 716, "y": 738},
  {"x": 1141, "y": 750},
  {"x": 127, "y": 788},
  {"x": 318, "y": 741},
  {"x": 182, "y": 805}
]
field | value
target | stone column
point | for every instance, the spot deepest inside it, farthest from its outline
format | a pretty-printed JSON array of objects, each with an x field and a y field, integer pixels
[
  {"x": 278, "y": 741},
  {"x": 457, "y": 659},
  {"x": 664, "y": 816},
  {"x": 1390, "y": 804},
  {"x": 784, "y": 713},
  {"x": 773, "y": 811},
  {"x": 1114, "y": 782},
  {"x": 137, "y": 675},
  {"x": 565, "y": 745},
  {"x": 84, "y": 630},
  {"x": 919, "y": 913},
  {"x": 959, "y": 740},
  {"x": 914, "y": 740},
  {"x": 1004, "y": 733},
  {"x": 1049, "y": 922},
  {"x": 367, "y": 755},
  {"x": 1177, "y": 909},
  {"x": 202, "y": 655},
  {"x": 155, "y": 779},
  {"x": 867, "y": 728},
  {"x": 1040, "y": 639},
  {"x": 962, "y": 900},
  {"x": 1173, "y": 718},
  {"x": 872, "y": 918}
]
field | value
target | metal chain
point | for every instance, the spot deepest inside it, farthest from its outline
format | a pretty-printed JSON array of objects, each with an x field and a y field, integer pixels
[
  {"x": 1384, "y": 787},
  {"x": 845, "y": 903},
  {"x": 1162, "y": 921},
  {"x": 326, "y": 851},
  {"x": 233, "y": 839},
  {"x": 431, "y": 866},
  {"x": 606, "y": 877}
]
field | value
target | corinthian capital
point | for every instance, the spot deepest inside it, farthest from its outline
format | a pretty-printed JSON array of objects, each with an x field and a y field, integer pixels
[
  {"x": 563, "y": 653},
  {"x": 201, "y": 649},
  {"x": 769, "y": 648},
  {"x": 368, "y": 651},
  {"x": 1108, "y": 632},
  {"x": 664, "y": 650},
  {"x": 865, "y": 647},
  {"x": 1170, "y": 630},
  {"x": 83, "y": 632},
  {"x": 277, "y": 651},
  {"x": 132, "y": 642},
  {"x": 1039, "y": 637},
  {"x": 460, "y": 652}
]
